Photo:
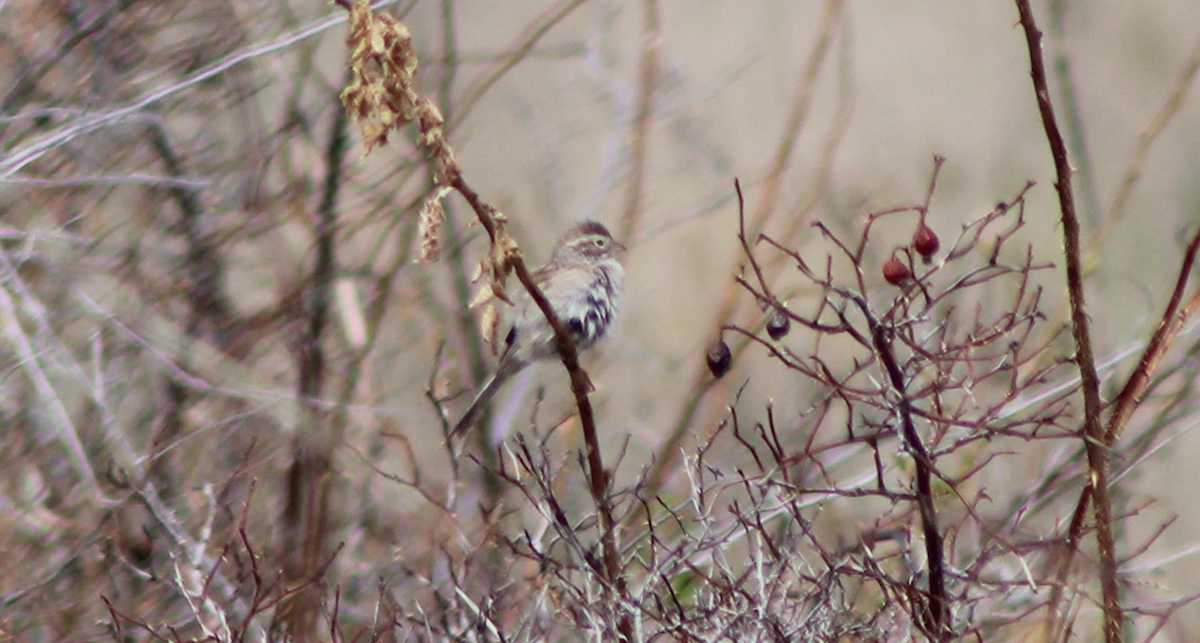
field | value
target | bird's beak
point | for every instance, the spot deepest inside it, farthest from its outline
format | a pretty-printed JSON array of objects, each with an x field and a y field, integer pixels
[{"x": 618, "y": 246}]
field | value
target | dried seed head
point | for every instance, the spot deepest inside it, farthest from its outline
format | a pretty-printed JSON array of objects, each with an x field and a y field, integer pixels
[
  {"x": 779, "y": 324},
  {"x": 430, "y": 228},
  {"x": 895, "y": 272},
  {"x": 489, "y": 327},
  {"x": 719, "y": 357},
  {"x": 380, "y": 94},
  {"x": 926, "y": 242}
]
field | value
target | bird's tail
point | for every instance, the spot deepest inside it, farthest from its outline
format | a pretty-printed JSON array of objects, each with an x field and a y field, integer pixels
[{"x": 485, "y": 395}]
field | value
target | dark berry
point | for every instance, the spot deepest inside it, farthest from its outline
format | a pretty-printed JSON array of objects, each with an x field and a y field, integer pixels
[
  {"x": 719, "y": 358},
  {"x": 779, "y": 324}
]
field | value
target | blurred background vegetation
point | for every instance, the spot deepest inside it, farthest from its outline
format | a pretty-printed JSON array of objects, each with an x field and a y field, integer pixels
[{"x": 217, "y": 339}]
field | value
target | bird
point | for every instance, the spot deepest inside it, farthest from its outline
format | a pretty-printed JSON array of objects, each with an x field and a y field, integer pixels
[{"x": 583, "y": 282}]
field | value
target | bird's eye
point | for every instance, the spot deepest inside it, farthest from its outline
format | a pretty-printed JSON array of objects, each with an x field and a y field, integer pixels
[{"x": 600, "y": 242}]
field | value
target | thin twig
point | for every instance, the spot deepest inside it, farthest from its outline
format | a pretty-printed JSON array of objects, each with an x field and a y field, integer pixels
[
  {"x": 519, "y": 51},
  {"x": 15, "y": 160},
  {"x": 1149, "y": 135},
  {"x": 638, "y": 143}
]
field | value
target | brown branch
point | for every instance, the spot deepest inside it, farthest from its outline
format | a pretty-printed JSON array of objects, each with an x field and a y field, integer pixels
[
  {"x": 1097, "y": 450},
  {"x": 939, "y": 608},
  {"x": 580, "y": 385},
  {"x": 370, "y": 96},
  {"x": 1129, "y": 399},
  {"x": 306, "y": 502},
  {"x": 1168, "y": 329}
]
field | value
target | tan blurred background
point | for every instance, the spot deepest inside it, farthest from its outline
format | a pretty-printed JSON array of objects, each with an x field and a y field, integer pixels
[
  {"x": 921, "y": 79},
  {"x": 548, "y": 143}
]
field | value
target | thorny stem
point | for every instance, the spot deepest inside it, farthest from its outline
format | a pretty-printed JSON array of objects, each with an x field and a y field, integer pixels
[
  {"x": 580, "y": 385},
  {"x": 1129, "y": 399},
  {"x": 1168, "y": 328},
  {"x": 1094, "y": 445}
]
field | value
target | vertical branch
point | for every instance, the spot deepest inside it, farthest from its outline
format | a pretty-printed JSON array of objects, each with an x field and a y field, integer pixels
[
  {"x": 647, "y": 77},
  {"x": 938, "y": 605},
  {"x": 208, "y": 302},
  {"x": 202, "y": 266},
  {"x": 307, "y": 486},
  {"x": 598, "y": 478},
  {"x": 1097, "y": 451},
  {"x": 1129, "y": 398}
]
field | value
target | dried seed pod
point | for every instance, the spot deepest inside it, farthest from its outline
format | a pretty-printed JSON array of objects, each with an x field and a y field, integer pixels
[
  {"x": 719, "y": 357},
  {"x": 895, "y": 272},
  {"x": 926, "y": 242},
  {"x": 779, "y": 324}
]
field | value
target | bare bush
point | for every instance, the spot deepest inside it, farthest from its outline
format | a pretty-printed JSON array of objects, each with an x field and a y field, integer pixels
[{"x": 242, "y": 304}]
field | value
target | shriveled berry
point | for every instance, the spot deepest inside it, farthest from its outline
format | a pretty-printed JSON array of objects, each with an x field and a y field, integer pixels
[
  {"x": 719, "y": 357},
  {"x": 779, "y": 324},
  {"x": 926, "y": 242},
  {"x": 895, "y": 272}
]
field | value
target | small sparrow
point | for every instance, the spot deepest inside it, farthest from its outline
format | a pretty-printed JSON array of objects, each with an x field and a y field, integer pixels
[{"x": 582, "y": 282}]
